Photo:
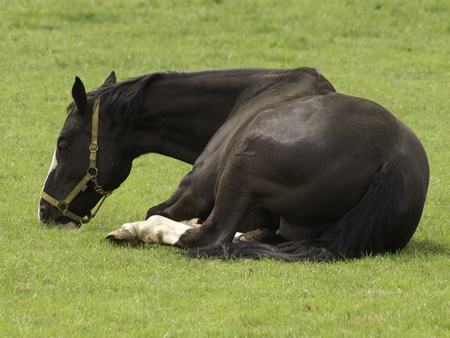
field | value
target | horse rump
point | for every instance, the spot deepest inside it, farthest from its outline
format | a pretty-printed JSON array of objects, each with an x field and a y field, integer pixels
[{"x": 360, "y": 231}]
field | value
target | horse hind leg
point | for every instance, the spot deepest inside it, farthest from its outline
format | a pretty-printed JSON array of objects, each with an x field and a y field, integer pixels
[
  {"x": 263, "y": 235},
  {"x": 193, "y": 222},
  {"x": 259, "y": 225}
]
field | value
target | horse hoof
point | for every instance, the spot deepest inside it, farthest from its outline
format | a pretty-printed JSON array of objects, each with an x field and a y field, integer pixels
[
  {"x": 123, "y": 236},
  {"x": 194, "y": 222}
]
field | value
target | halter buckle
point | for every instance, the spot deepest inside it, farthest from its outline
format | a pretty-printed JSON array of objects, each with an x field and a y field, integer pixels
[{"x": 93, "y": 147}]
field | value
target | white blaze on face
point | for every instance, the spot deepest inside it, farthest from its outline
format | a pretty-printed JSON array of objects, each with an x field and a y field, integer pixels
[
  {"x": 52, "y": 168},
  {"x": 54, "y": 164}
]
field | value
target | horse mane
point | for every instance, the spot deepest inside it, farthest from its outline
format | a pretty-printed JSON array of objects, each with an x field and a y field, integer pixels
[{"x": 123, "y": 99}]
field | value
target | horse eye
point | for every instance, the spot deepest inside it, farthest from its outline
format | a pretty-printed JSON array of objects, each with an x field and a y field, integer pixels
[{"x": 63, "y": 146}]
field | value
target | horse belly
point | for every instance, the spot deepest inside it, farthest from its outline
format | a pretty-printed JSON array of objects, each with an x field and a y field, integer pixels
[{"x": 316, "y": 203}]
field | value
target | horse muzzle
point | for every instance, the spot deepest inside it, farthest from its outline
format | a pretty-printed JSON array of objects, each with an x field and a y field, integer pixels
[{"x": 47, "y": 214}]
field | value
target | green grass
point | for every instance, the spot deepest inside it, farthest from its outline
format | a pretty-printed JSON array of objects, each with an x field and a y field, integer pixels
[{"x": 73, "y": 283}]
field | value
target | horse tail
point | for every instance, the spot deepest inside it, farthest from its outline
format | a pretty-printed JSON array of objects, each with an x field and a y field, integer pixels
[
  {"x": 362, "y": 230},
  {"x": 288, "y": 251},
  {"x": 365, "y": 228}
]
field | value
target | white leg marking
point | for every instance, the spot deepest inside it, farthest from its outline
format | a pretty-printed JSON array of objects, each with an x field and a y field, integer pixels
[
  {"x": 157, "y": 229},
  {"x": 193, "y": 222}
]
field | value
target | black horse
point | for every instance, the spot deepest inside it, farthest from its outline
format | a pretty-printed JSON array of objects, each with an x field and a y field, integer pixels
[{"x": 283, "y": 165}]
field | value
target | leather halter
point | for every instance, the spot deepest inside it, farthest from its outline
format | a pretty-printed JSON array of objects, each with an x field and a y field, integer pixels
[{"x": 91, "y": 175}]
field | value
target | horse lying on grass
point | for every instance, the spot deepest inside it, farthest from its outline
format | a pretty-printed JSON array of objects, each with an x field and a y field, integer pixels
[{"x": 283, "y": 165}]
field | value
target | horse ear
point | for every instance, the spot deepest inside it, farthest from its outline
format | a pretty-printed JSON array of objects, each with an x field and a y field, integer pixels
[
  {"x": 79, "y": 95},
  {"x": 111, "y": 79}
]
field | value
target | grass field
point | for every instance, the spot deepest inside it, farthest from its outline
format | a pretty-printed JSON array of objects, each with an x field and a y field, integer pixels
[{"x": 73, "y": 283}]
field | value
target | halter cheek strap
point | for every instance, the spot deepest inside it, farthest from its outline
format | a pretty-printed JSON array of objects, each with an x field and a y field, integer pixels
[{"x": 91, "y": 175}]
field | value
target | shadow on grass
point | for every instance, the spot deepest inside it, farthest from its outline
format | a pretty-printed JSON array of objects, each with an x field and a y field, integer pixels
[{"x": 427, "y": 246}]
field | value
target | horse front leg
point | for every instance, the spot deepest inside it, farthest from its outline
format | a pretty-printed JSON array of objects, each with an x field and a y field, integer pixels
[
  {"x": 222, "y": 225},
  {"x": 184, "y": 203},
  {"x": 164, "y": 209},
  {"x": 155, "y": 230}
]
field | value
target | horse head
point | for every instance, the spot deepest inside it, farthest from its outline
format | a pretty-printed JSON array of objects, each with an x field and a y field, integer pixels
[{"x": 89, "y": 162}]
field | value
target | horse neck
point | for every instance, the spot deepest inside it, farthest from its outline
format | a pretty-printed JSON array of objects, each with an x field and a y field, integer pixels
[{"x": 181, "y": 112}]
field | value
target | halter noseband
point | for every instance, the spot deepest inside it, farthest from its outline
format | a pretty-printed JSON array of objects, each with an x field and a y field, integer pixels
[{"x": 91, "y": 175}]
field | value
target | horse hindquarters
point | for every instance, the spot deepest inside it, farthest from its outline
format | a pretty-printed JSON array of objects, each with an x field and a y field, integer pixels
[{"x": 383, "y": 221}]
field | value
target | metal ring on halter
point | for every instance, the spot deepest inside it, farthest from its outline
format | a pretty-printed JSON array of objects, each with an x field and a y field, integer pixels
[
  {"x": 94, "y": 174},
  {"x": 93, "y": 147},
  {"x": 63, "y": 206}
]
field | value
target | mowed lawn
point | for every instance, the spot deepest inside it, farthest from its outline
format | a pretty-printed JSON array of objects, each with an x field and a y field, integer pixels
[{"x": 57, "y": 283}]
